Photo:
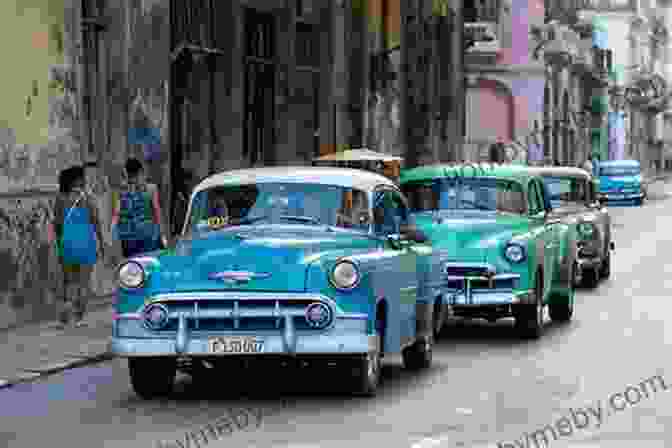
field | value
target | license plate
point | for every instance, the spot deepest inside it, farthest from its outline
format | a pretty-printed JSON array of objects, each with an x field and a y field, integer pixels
[
  {"x": 617, "y": 196},
  {"x": 235, "y": 345}
]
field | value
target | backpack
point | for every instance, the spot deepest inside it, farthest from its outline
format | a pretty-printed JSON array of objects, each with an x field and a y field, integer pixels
[{"x": 78, "y": 242}]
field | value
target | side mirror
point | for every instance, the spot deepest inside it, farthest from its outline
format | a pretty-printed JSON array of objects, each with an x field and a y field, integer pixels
[{"x": 416, "y": 235}]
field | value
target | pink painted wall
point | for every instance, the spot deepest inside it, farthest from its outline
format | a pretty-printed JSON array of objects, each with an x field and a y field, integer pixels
[{"x": 494, "y": 110}]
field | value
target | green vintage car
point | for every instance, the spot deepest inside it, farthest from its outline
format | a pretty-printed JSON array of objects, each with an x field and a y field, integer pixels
[{"x": 507, "y": 255}]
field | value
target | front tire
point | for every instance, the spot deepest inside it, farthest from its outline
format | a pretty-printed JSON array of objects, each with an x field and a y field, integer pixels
[
  {"x": 529, "y": 319},
  {"x": 367, "y": 367},
  {"x": 591, "y": 277},
  {"x": 152, "y": 377},
  {"x": 563, "y": 311}
]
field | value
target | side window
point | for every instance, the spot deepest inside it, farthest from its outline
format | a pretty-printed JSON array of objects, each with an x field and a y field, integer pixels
[
  {"x": 533, "y": 199},
  {"x": 542, "y": 196},
  {"x": 389, "y": 213}
]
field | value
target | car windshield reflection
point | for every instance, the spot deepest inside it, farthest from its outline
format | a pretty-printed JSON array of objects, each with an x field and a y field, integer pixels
[
  {"x": 478, "y": 194},
  {"x": 279, "y": 203}
]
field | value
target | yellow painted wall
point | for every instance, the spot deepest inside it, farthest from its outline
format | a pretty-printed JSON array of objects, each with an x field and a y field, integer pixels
[{"x": 28, "y": 49}]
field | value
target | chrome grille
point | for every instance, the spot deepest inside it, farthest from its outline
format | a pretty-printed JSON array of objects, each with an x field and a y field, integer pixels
[
  {"x": 213, "y": 312},
  {"x": 476, "y": 276}
]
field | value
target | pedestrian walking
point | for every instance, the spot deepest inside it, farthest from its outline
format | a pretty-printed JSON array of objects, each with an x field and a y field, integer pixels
[
  {"x": 136, "y": 215},
  {"x": 77, "y": 230},
  {"x": 497, "y": 152}
]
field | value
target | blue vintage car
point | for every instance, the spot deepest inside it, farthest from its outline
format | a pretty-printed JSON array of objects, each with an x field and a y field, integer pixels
[
  {"x": 621, "y": 182},
  {"x": 284, "y": 263}
]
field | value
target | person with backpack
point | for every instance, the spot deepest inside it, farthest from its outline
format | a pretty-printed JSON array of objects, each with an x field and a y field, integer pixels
[
  {"x": 136, "y": 215},
  {"x": 77, "y": 231}
]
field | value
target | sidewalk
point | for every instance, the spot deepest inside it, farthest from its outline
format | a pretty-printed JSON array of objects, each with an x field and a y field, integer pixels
[{"x": 36, "y": 350}]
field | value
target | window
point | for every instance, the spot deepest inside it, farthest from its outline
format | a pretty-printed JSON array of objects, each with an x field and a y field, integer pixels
[
  {"x": 534, "y": 199},
  {"x": 389, "y": 213},
  {"x": 566, "y": 189}
]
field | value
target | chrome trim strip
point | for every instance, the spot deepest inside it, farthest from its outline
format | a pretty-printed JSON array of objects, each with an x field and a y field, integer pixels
[
  {"x": 494, "y": 277},
  {"x": 353, "y": 317},
  {"x": 232, "y": 295},
  {"x": 489, "y": 267}
]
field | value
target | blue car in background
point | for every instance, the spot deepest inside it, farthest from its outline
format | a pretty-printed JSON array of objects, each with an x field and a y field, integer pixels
[{"x": 621, "y": 182}]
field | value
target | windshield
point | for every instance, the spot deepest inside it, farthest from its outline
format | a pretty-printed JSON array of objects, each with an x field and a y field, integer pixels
[
  {"x": 466, "y": 194},
  {"x": 619, "y": 171},
  {"x": 279, "y": 203},
  {"x": 566, "y": 189}
]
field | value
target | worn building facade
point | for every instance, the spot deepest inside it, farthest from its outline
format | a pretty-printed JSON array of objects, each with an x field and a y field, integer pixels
[
  {"x": 637, "y": 95},
  {"x": 576, "y": 92},
  {"x": 506, "y": 76}
]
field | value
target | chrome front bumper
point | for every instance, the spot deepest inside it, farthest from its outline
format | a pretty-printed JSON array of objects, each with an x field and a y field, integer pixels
[
  {"x": 347, "y": 334},
  {"x": 490, "y": 298}
]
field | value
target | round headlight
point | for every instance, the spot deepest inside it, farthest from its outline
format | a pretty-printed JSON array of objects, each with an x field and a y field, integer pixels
[
  {"x": 131, "y": 275},
  {"x": 345, "y": 275},
  {"x": 318, "y": 315},
  {"x": 586, "y": 229},
  {"x": 515, "y": 253},
  {"x": 155, "y": 316}
]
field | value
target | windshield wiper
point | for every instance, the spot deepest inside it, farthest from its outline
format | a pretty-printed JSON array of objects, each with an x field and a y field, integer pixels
[
  {"x": 309, "y": 219},
  {"x": 247, "y": 220}
]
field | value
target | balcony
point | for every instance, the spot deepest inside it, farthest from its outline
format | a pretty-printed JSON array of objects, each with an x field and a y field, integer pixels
[{"x": 481, "y": 30}]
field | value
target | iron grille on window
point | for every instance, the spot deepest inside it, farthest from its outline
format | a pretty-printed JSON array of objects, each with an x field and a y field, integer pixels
[{"x": 481, "y": 10}]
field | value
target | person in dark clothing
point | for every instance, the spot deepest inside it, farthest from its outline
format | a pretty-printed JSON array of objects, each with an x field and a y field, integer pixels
[
  {"x": 136, "y": 216},
  {"x": 497, "y": 153}
]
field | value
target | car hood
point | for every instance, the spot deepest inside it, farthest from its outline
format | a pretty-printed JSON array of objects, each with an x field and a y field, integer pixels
[
  {"x": 276, "y": 258},
  {"x": 468, "y": 236}
]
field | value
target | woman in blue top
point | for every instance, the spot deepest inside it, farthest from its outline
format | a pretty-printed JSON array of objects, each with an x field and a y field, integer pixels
[{"x": 76, "y": 277}]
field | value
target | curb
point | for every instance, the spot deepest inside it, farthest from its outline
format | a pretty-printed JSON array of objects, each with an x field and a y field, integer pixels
[{"x": 30, "y": 375}]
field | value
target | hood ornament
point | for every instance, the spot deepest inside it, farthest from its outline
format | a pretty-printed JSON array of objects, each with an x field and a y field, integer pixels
[{"x": 237, "y": 277}]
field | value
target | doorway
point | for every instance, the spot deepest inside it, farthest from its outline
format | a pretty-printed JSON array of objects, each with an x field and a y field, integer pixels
[{"x": 260, "y": 73}]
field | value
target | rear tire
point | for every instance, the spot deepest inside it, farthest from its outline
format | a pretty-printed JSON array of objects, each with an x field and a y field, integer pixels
[
  {"x": 152, "y": 377},
  {"x": 367, "y": 368},
  {"x": 437, "y": 320},
  {"x": 605, "y": 270}
]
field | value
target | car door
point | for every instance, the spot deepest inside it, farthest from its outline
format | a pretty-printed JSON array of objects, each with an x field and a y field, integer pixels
[
  {"x": 537, "y": 209},
  {"x": 389, "y": 214}
]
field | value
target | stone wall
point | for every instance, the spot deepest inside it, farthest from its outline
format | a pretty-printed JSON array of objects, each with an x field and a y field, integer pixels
[{"x": 30, "y": 277}]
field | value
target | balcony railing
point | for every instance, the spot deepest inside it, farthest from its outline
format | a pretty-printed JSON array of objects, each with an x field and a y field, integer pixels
[
  {"x": 481, "y": 11},
  {"x": 567, "y": 11},
  {"x": 483, "y": 35}
]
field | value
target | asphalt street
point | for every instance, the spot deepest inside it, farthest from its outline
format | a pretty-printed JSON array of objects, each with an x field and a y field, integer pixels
[{"x": 486, "y": 386}]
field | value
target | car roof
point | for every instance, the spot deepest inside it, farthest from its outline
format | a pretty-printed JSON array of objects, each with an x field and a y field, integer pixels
[
  {"x": 476, "y": 170},
  {"x": 629, "y": 163},
  {"x": 345, "y": 177},
  {"x": 559, "y": 171}
]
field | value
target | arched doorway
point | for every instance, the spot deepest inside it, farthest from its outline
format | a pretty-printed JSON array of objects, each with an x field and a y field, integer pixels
[{"x": 492, "y": 114}]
